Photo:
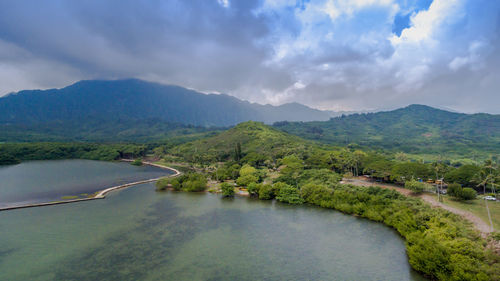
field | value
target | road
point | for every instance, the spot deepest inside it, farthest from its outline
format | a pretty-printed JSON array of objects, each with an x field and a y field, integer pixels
[{"x": 479, "y": 224}]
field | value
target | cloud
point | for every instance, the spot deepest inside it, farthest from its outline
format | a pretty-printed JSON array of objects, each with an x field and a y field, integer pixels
[{"x": 343, "y": 55}]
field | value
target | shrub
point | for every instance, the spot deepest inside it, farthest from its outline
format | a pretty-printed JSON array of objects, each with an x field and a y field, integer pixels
[
  {"x": 288, "y": 194},
  {"x": 266, "y": 192},
  {"x": 253, "y": 189},
  {"x": 176, "y": 184},
  {"x": 137, "y": 162},
  {"x": 468, "y": 194},
  {"x": 194, "y": 185},
  {"x": 227, "y": 189},
  {"x": 246, "y": 180},
  {"x": 415, "y": 186},
  {"x": 460, "y": 193},
  {"x": 162, "y": 184},
  {"x": 439, "y": 244},
  {"x": 454, "y": 190}
]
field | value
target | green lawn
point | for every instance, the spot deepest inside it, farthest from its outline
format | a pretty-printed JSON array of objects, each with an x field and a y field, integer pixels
[{"x": 478, "y": 208}]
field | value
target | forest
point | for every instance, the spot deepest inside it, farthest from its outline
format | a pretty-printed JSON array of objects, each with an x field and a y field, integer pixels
[{"x": 271, "y": 164}]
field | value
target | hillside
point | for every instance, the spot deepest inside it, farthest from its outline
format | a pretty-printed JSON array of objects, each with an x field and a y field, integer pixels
[
  {"x": 413, "y": 129},
  {"x": 111, "y": 131},
  {"x": 133, "y": 99},
  {"x": 254, "y": 137}
]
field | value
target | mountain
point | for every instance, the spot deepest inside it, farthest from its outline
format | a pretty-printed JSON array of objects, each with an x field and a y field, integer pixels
[
  {"x": 413, "y": 129},
  {"x": 263, "y": 140},
  {"x": 132, "y": 99}
]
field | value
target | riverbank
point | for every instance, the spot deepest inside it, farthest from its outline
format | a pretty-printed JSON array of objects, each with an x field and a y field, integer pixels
[
  {"x": 100, "y": 194},
  {"x": 478, "y": 223}
]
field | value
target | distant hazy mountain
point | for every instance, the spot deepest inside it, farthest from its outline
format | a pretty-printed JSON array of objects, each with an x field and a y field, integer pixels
[
  {"x": 416, "y": 128},
  {"x": 134, "y": 99}
]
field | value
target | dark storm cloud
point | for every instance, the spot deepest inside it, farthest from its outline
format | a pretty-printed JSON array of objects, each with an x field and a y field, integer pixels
[{"x": 342, "y": 55}]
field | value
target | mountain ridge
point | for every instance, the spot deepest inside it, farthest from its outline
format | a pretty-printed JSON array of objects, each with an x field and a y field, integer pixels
[
  {"x": 138, "y": 99},
  {"x": 413, "y": 129}
]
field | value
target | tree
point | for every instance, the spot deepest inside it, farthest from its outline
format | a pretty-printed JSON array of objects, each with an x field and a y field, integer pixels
[
  {"x": 6, "y": 159},
  {"x": 227, "y": 189},
  {"x": 454, "y": 189},
  {"x": 255, "y": 159},
  {"x": 162, "y": 184},
  {"x": 293, "y": 168},
  {"x": 253, "y": 189},
  {"x": 189, "y": 182},
  {"x": 415, "y": 186},
  {"x": 248, "y": 175},
  {"x": 247, "y": 170},
  {"x": 266, "y": 192},
  {"x": 323, "y": 176},
  {"x": 463, "y": 175},
  {"x": 468, "y": 194},
  {"x": 411, "y": 170},
  {"x": 237, "y": 152},
  {"x": 288, "y": 193}
]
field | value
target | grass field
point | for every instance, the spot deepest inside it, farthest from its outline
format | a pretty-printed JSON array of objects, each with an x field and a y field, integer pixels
[{"x": 478, "y": 208}]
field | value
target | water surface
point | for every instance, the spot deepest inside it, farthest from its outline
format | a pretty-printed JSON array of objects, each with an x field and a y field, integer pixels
[
  {"x": 139, "y": 234},
  {"x": 45, "y": 181}
]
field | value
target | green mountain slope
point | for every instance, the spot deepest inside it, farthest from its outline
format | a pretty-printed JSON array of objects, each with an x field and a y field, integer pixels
[
  {"x": 100, "y": 131},
  {"x": 413, "y": 129},
  {"x": 255, "y": 137}
]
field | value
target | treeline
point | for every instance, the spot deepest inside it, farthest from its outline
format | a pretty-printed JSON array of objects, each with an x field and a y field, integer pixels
[
  {"x": 415, "y": 129},
  {"x": 392, "y": 168},
  {"x": 272, "y": 165},
  {"x": 13, "y": 153},
  {"x": 441, "y": 245}
]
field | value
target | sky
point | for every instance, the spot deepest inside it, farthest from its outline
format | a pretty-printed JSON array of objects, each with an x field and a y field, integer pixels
[{"x": 328, "y": 54}]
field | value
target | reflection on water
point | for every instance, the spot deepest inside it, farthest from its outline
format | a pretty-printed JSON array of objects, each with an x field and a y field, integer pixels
[{"x": 138, "y": 234}]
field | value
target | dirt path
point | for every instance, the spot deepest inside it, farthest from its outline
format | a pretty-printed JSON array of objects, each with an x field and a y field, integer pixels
[{"x": 480, "y": 225}]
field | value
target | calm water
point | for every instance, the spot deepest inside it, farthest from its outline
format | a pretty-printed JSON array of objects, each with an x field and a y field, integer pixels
[
  {"x": 138, "y": 234},
  {"x": 44, "y": 181}
]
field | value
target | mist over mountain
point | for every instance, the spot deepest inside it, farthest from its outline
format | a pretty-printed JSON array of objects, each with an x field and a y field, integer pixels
[{"x": 134, "y": 99}]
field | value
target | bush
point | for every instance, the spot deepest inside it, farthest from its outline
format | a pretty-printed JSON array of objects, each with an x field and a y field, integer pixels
[
  {"x": 6, "y": 159},
  {"x": 266, "y": 192},
  {"x": 468, "y": 194},
  {"x": 288, "y": 193},
  {"x": 246, "y": 180},
  {"x": 162, "y": 184},
  {"x": 440, "y": 244},
  {"x": 415, "y": 186},
  {"x": 460, "y": 193},
  {"x": 454, "y": 190},
  {"x": 136, "y": 162},
  {"x": 189, "y": 182},
  {"x": 227, "y": 189},
  {"x": 176, "y": 184},
  {"x": 195, "y": 185},
  {"x": 253, "y": 189}
]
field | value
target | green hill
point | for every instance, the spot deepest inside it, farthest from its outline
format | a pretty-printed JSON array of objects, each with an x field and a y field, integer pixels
[
  {"x": 252, "y": 137},
  {"x": 413, "y": 129}
]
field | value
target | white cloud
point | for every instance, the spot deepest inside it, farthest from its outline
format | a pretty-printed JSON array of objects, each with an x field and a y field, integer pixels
[
  {"x": 325, "y": 53},
  {"x": 474, "y": 58},
  {"x": 425, "y": 23},
  {"x": 337, "y": 8},
  {"x": 224, "y": 3}
]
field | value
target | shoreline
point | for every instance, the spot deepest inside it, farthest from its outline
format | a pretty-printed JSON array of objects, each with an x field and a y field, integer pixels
[
  {"x": 100, "y": 194},
  {"x": 477, "y": 222}
]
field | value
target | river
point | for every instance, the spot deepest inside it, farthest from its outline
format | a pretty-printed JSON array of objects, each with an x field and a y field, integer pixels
[{"x": 140, "y": 234}]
